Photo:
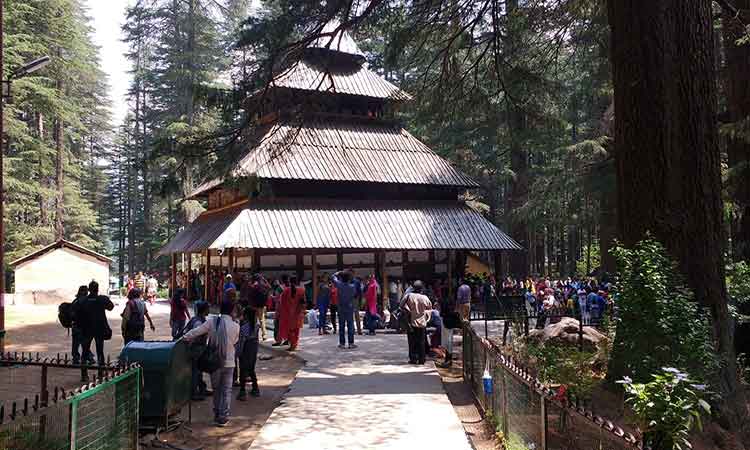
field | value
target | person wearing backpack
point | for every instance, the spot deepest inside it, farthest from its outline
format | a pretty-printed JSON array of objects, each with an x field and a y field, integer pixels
[
  {"x": 74, "y": 320},
  {"x": 178, "y": 313},
  {"x": 197, "y": 347},
  {"x": 223, "y": 333},
  {"x": 247, "y": 351},
  {"x": 134, "y": 317},
  {"x": 94, "y": 325}
]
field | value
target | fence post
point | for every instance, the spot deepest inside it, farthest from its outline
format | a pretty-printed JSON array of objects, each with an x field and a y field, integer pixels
[
  {"x": 73, "y": 423},
  {"x": 504, "y": 400},
  {"x": 543, "y": 416},
  {"x": 526, "y": 322},
  {"x": 45, "y": 399},
  {"x": 471, "y": 355}
]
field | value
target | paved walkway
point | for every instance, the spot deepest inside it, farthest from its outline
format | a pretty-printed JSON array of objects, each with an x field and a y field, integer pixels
[{"x": 368, "y": 398}]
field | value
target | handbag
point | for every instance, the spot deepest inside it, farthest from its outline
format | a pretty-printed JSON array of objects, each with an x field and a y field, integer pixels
[
  {"x": 107, "y": 333},
  {"x": 210, "y": 361}
]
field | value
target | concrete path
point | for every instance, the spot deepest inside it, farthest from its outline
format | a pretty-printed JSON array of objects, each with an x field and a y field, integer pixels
[{"x": 368, "y": 398}]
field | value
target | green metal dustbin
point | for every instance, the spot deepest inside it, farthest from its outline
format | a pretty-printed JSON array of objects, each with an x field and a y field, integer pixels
[{"x": 167, "y": 372}]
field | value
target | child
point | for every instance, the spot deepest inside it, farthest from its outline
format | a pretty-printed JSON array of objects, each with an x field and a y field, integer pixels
[{"x": 247, "y": 349}]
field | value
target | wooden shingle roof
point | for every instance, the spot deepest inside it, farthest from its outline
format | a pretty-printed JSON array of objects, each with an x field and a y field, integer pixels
[
  {"x": 323, "y": 150},
  {"x": 351, "y": 79}
]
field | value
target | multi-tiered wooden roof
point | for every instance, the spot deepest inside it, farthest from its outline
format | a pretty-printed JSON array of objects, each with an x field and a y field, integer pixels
[{"x": 337, "y": 172}]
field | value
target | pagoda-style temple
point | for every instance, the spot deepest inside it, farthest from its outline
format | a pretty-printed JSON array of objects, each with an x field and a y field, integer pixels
[{"x": 331, "y": 180}]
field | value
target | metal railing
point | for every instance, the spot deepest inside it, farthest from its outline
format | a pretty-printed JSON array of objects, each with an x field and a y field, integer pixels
[
  {"x": 102, "y": 415},
  {"x": 530, "y": 415},
  {"x": 514, "y": 309}
]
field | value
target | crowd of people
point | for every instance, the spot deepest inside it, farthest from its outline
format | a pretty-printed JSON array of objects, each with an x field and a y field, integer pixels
[
  {"x": 343, "y": 304},
  {"x": 586, "y": 298}
]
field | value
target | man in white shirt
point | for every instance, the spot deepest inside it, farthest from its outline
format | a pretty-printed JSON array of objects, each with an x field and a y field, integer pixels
[{"x": 225, "y": 332}]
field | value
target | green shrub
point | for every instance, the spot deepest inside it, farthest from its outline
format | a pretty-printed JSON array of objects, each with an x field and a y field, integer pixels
[
  {"x": 565, "y": 365},
  {"x": 667, "y": 408},
  {"x": 659, "y": 323},
  {"x": 738, "y": 285}
]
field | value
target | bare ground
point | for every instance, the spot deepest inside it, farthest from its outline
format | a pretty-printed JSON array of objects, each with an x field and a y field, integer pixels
[
  {"x": 36, "y": 329},
  {"x": 477, "y": 427}
]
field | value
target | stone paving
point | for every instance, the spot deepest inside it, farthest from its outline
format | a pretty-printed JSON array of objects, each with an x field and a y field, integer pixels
[{"x": 367, "y": 398}]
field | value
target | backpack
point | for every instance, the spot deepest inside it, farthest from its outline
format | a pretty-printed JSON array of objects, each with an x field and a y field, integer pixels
[
  {"x": 209, "y": 361},
  {"x": 136, "y": 323},
  {"x": 65, "y": 314}
]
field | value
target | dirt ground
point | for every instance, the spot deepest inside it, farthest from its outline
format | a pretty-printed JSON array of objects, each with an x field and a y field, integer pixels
[
  {"x": 36, "y": 329},
  {"x": 274, "y": 375},
  {"x": 460, "y": 395}
]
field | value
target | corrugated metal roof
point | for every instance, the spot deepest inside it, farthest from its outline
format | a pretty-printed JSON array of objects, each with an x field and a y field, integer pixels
[
  {"x": 330, "y": 151},
  {"x": 202, "y": 232},
  {"x": 326, "y": 224},
  {"x": 353, "y": 79}
]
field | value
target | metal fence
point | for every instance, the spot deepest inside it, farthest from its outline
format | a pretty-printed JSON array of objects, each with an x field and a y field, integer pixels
[
  {"x": 511, "y": 309},
  {"x": 102, "y": 415},
  {"x": 529, "y": 415}
]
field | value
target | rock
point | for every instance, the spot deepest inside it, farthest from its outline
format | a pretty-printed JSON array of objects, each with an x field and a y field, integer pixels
[{"x": 566, "y": 332}]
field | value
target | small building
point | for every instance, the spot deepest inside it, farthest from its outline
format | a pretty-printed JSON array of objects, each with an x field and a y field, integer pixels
[{"x": 52, "y": 274}]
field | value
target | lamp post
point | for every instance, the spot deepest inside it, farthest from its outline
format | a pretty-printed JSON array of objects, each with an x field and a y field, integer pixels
[{"x": 22, "y": 71}]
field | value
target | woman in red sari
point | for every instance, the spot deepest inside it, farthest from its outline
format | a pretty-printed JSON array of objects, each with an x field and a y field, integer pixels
[{"x": 292, "y": 313}]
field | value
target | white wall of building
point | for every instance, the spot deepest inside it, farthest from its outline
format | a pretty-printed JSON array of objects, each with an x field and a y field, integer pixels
[{"x": 55, "y": 276}]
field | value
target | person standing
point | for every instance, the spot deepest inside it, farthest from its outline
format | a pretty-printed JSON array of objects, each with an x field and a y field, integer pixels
[
  {"x": 224, "y": 332},
  {"x": 293, "y": 310},
  {"x": 393, "y": 295},
  {"x": 371, "y": 304},
  {"x": 197, "y": 347},
  {"x": 258, "y": 292},
  {"x": 77, "y": 328},
  {"x": 247, "y": 350},
  {"x": 419, "y": 309},
  {"x": 346, "y": 292},
  {"x": 276, "y": 290},
  {"x": 333, "y": 307},
  {"x": 323, "y": 302},
  {"x": 139, "y": 281},
  {"x": 178, "y": 313},
  {"x": 134, "y": 317},
  {"x": 95, "y": 326},
  {"x": 463, "y": 300},
  {"x": 357, "y": 304},
  {"x": 152, "y": 288}
]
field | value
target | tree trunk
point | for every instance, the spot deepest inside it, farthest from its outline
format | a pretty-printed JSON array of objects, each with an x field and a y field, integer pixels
[
  {"x": 519, "y": 158},
  {"x": 42, "y": 199},
  {"x": 59, "y": 178},
  {"x": 607, "y": 231},
  {"x": 538, "y": 244},
  {"x": 147, "y": 194},
  {"x": 738, "y": 107},
  {"x": 131, "y": 207},
  {"x": 667, "y": 157}
]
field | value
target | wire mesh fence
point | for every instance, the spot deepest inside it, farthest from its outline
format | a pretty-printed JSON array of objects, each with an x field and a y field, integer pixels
[
  {"x": 529, "y": 415},
  {"x": 99, "y": 416}
]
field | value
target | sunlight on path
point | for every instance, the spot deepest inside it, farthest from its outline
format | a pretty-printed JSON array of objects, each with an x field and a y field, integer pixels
[{"x": 364, "y": 398}]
